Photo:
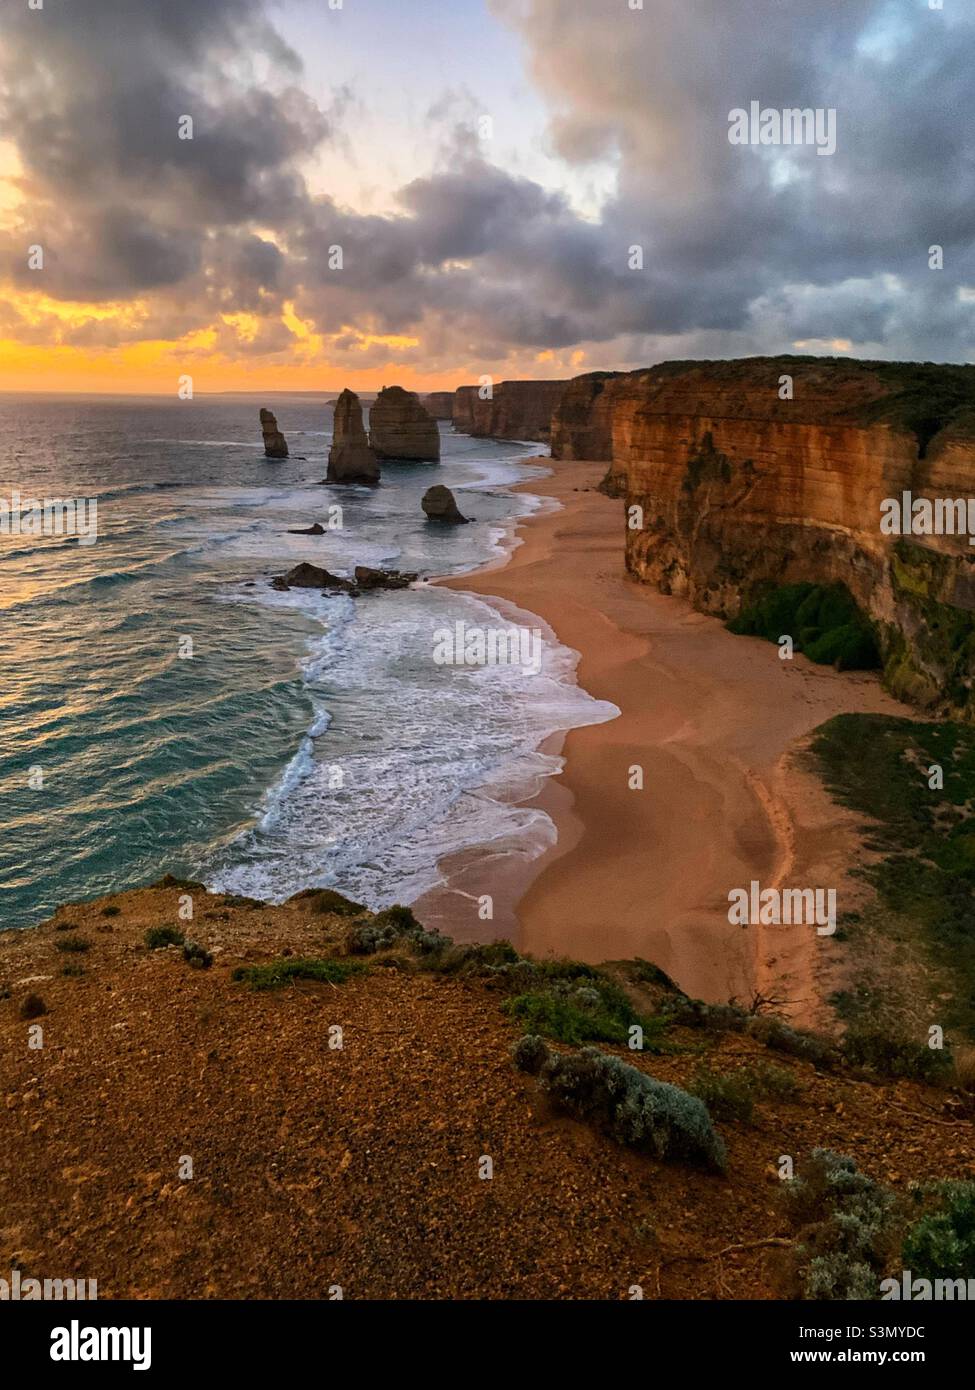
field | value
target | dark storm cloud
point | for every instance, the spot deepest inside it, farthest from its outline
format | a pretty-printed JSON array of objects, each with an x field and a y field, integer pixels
[
  {"x": 726, "y": 226},
  {"x": 744, "y": 249},
  {"x": 93, "y": 93}
]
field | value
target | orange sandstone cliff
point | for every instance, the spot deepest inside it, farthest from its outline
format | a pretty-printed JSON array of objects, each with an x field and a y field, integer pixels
[
  {"x": 515, "y": 410},
  {"x": 743, "y": 475}
]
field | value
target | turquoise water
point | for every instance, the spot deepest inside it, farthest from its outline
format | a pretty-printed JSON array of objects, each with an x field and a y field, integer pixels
[{"x": 307, "y": 740}]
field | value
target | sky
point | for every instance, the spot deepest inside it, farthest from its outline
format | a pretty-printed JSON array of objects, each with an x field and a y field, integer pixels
[{"x": 431, "y": 191}]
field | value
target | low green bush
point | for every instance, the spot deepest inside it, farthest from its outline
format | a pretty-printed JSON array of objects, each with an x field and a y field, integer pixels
[
  {"x": 941, "y": 1243},
  {"x": 733, "y": 1095},
  {"x": 288, "y": 969},
  {"x": 158, "y": 937},
  {"x": 196, "y": 955},
  {"x": 635, "y": 1109},
  {"x": 846, "y": 1226},
  {"x": 72, "y": 943},
  {"x": 894, "y": 1057},
  {"x": 823, "y": 621}
]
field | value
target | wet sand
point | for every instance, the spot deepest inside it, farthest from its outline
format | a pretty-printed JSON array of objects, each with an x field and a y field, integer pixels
[{"x": 715, "y": 723}]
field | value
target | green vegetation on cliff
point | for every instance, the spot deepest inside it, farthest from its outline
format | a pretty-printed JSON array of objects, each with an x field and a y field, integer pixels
[
  {"x": 823, "y": 621},
  {"x": 922, "y": 834}
]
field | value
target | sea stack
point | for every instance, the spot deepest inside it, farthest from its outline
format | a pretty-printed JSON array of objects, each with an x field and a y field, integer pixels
[
  {"x": 350, "y": 459},
  {"x": 275, "y": 444},
  {"x": 401, "y": 428},
  {"x": 439, "y": 505}
]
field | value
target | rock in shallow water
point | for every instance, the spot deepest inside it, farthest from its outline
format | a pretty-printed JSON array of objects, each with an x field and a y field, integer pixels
[
  {"x": 306, "y": 576},
  {"x": 439, "y": 505}
]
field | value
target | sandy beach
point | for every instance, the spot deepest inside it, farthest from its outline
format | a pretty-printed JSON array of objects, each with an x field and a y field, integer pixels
[{"x": 715, "y": 722}]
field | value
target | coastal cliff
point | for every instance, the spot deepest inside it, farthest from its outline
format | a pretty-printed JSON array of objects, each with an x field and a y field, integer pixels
[
  {"x": 440, "y": 404},
  {"x": 582, "y": 423},
  {"x": 740, "y": 490},
  {"x": 515, "y": 410}
]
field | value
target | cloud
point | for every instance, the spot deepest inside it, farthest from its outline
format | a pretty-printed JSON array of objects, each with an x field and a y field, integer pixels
[{"x": 744, "y": 249}]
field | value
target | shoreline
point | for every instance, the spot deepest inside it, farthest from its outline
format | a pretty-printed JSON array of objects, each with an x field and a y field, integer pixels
[{"x": 646, "y": 873}]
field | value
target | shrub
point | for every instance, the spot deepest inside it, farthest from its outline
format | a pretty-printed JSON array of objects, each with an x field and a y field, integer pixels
[
  {"x": 286, "y": 970},
  {"x": 845, "y": 1224},
  {"x": 530, "y": 1053},
  {"x": 111, "y": 911},
  {"x": 941, "y": 1245},
  {"x": 713, "y": 1018},
  {"x": 634, "y": 1108},
  {"x": 157, "y": 937},
  {"x": 575, "y": 1003},
  {"x": 894, "y": 1057},
  {"x": 394, "y": 926},
  {"x": 72, "y": 943},
  {"x": 781, "y": 1038},
  {"x": 327, "y": 900},
  {"x": 33, "y": 1007},
  {"x": 732, "y": 1095},
  {"x": 72, "y": 969},
  {"x": 493, "y": 958},
  {"x": 823, "y": 621},
  {"x": 197, "y": 956}
]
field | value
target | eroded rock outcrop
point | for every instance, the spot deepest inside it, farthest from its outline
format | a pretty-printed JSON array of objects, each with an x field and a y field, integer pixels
[
  {"x": 350, "y": 459},
  {"x": 439, "y": 504},
  {"x": 306, "y": 576},
  {"x": 739, "y": 489},
  {"x": 401, "y": 428},
  {"x": 515, "y": 410},
  {"x": 275, "y": 444}
]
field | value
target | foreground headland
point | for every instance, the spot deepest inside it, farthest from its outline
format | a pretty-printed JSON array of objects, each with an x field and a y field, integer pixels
[{"x": 714, "y": 722}]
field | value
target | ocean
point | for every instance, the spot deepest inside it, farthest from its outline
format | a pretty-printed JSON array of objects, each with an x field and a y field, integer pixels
[{"x": 163, "y": 709}]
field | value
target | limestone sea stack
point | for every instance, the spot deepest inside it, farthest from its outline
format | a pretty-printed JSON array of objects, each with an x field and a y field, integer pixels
[
  {"x": 275, "y": 444},
  {"x": 439, "y": 505},
  {"x": 350, "y": 459},
  {"x": 401, "y": 428}
]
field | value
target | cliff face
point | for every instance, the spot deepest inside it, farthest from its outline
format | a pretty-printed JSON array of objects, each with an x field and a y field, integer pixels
[
  {"x": 738, "y": 489},
  {"x": 350, "y": 459},
  {"x": 401, "y": 428},
  {"x": 440, "y": 404},
  {"x": 582, "y": 423},
  {"x": 517, "y": 410},
  {"x": 462, "y": 413}
]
